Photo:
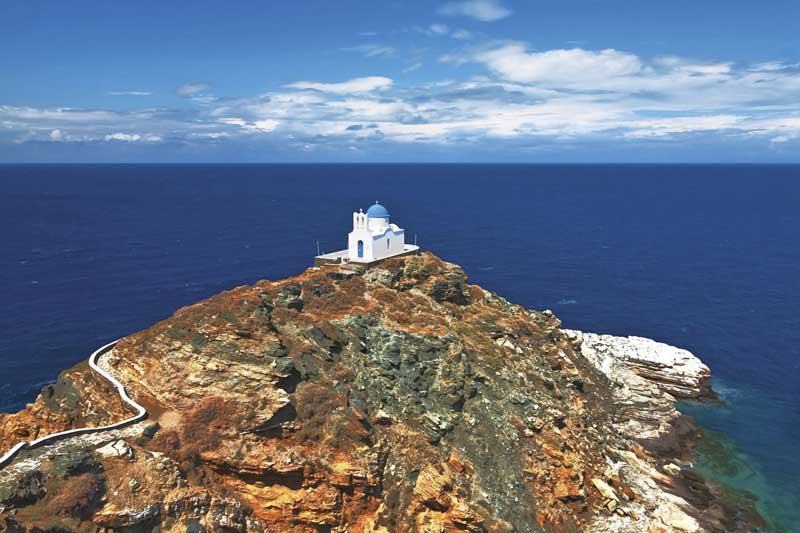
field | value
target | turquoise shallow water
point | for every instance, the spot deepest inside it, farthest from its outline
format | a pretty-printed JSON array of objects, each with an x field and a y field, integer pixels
[
  {"x": 720, "y": 457},
  {"x": 699, "y": 256}
]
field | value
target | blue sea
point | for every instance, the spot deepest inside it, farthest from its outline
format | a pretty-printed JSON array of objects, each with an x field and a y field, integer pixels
[{"x": 705, "y": 257}]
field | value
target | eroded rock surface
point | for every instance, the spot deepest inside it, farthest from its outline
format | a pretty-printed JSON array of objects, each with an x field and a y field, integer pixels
[
  {"x": 394, "y": 398},
  {"x": 674, "y": 370},
  {"x": 78, "y": 398}
]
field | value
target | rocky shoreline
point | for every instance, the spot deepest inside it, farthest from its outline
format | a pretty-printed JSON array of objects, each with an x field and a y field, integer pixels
[
  {"x": 397, "y": 397},
  {"x": 648, "y": 377}
]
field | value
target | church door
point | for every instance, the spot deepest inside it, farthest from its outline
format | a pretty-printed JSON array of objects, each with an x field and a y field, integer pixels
[{"x": 360, "y": 248}]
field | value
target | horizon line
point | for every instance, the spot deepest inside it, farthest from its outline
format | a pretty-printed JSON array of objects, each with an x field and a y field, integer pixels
[{"x": 408, "y": 163}]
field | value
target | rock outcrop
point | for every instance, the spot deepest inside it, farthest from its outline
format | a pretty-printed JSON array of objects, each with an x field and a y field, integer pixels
[
  {"x": 392, "y": 398},
  {"x": 674, "y": 370},
  {"x": 78, "y": 398},
  {"x": 646, "y": 377}
]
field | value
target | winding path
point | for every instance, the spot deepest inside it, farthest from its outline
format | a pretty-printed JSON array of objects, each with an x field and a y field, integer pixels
[{"x": 141, "y": 413}]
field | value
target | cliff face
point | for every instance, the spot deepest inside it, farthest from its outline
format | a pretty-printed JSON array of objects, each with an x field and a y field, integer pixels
[
  {"x": 78, "y": 398},
  {"x": 396, "y": 398}
]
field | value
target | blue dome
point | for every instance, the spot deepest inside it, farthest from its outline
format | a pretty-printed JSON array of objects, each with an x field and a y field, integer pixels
[{"x": 377, "y": 211}]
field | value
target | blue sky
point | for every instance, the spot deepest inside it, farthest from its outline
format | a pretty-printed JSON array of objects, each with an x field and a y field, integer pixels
[{"x": 474, "y": 80}]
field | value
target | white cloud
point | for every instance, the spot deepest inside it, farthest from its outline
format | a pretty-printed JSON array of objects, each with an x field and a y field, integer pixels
[
  {"x": 773, "y": 66},
  {"x": 234, "y": 121},
  {"x": 439, "y": 29},
  {"x": 483, "y": 10},
  {"x": 213, "y": 135},
  {"x": 664, "y": 127},
  {"x": 522, "y": 96},
  {"x": 372, "y": 50},
  {"x": 412, "y": 67},
  {"x": 190, "y": 90},
  {"x": 693, "y": 67},
  {"x": 263, "y": 125},
  {"x": 132, "y": 137},
  {"x": 663, "y": 85},
  {"x": 206, "y": 99},
  {"x": 706, "y": 70},
  {"x": 356, "y": 85},
  {"x": 129, "y": 93},
  {"x": 356, "y": 109},
  {"x": 56, "y": 114},
  {"x": 568, "y": 101},
  {"x": 558, "y": 67},
  {"x": 462, "y": 35}
]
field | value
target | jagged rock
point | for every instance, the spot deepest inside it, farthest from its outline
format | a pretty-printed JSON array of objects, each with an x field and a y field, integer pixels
[
  {"x": 451, "y": 289},
  {"x": 604, "y": 489},
  {"x": 379, "y": 275},
  {"x": 567, "y": 484},
  {"x": 290, "y": 297},
  {"x": 125, "y": 518},
  {"x": 675, "y": 520},
  {"x": 150, "y": 430},
  {"x": 117, "y": 448},
  {"x": 674, "y": 370},
  {"x": 391, "y": 398},
  {"x": 24, "y": 490},
  {"x": 433, "y": 485}
]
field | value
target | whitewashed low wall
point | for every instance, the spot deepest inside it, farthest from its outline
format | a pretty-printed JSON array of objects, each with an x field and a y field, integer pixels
[{"x": 141, "y": 413}]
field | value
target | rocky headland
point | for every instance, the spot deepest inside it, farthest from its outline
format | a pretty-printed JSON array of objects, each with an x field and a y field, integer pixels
[{"x": 391, "y": 398}]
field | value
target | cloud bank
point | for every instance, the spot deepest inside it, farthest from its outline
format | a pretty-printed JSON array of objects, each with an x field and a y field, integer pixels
[
  {"x": 523, "y": 100},
  {"x": 356, "y": 85}
]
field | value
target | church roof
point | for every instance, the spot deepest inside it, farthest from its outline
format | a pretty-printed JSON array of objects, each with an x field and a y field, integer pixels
[{"x": 377, "y": 211}]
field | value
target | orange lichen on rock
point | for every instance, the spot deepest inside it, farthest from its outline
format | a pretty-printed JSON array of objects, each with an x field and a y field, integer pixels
[
  {"x": 78, "y": 398},
  {"x": 391, "y": 398}
]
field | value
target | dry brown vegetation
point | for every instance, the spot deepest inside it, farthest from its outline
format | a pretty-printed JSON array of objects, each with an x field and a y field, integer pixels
[
  {"x": 385, "y": 296},
  {"x": 68, "y": 501},
  {"x": 76, "y": 496},
  {"x": 166, "y": 441},
  {"x": 345, "y": 296},
  {"x": 488, "y": 380},
  {"x": 202, "y": 429},
  {"x": 315, "y": 403}
]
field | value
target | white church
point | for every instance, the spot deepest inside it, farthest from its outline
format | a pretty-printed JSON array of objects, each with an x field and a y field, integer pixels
[{"x": 373, "y": 238}]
